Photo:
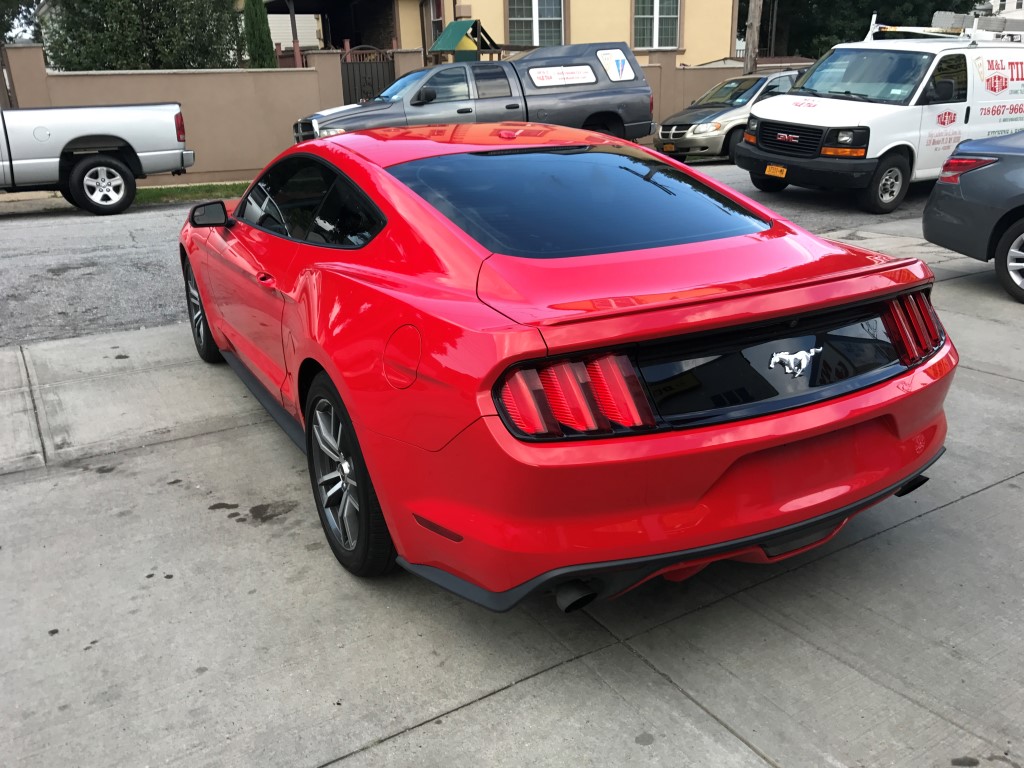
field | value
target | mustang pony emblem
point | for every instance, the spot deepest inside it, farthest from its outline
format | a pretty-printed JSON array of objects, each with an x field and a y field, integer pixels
[{"x": 794, "y": 362}]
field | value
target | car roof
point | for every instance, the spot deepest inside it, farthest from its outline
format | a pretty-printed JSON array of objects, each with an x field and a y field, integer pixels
[
  {"x": 390, "y": 146},
  {"x": 930, "y": 45}
]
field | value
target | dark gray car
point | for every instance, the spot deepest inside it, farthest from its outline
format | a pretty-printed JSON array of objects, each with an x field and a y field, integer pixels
[{"x": 977, "y": 206}]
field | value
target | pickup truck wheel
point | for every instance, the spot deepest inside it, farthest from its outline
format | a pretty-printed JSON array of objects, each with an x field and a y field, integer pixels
[
  {"x": 65, "y": 192},
  {"x": 102, "y": 184},
  {"x": 609, "y": 127},
  {"x": 767, "y": 183},
  {"x": 888, "y": 186},
  {"x": 1009, "y": 258}
]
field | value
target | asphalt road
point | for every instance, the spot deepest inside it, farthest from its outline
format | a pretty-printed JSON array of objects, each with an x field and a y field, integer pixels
[{"x": 64, "y": 273}]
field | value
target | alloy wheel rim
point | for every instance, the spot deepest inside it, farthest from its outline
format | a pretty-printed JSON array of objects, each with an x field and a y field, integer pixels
[
  {"x": 335, "y": 476},
  {"x": 196, "y": 315},
  {"x": 1015, "y": 262},
  {"x": 889, "y": 186},
  {"x": 104, "y": 185}
]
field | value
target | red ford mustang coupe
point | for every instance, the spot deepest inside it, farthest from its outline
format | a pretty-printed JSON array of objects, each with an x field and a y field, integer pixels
[{"x": 522, "y": 357}]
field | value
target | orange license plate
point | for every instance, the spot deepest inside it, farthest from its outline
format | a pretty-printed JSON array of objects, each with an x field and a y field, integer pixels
[
  {"x": 779, "y": 171},
  {"x": 668, "y": 147}
]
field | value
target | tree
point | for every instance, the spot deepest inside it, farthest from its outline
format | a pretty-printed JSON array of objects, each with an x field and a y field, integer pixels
[
  {"x": 15, "y": 14},
  {"x": 141, "y": 34},
  {"x": 257, "y": 36},
  {"x": 811, "y": 27}
]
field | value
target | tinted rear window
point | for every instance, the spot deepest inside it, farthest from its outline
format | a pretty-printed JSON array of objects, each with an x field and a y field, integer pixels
[{"x": 576, "y": 201}]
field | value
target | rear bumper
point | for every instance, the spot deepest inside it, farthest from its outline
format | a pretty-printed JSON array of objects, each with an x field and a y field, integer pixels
[
  {"x": 959, "y": 224},
  {"x": 494, "y": 518},
  {"x": 169, "y": 161},
  {"x": 638, "y": 130},
  {"x": 611, "y": 578},
  {"x": 824, "y": 172}
]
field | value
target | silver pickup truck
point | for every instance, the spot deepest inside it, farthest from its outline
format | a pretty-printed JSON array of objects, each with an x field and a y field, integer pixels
[
  {"x": 92, "y": 155},
  {"x": 595, "y": 86}
]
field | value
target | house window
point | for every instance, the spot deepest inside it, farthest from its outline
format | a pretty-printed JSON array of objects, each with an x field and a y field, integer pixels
[
  {"x": 535, "y": 22},
  {"x": 656, "y": 24},
  {"x": 436, "y": 18}
]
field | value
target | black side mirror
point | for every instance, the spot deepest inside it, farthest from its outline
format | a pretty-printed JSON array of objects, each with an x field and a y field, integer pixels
[
  {"x": 213, "y": 214},
  {"x": 425, "y": 96},
  {"x": 939, "y": 92}
]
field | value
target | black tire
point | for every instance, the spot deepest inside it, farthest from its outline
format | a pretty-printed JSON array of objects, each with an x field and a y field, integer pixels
[
  {"x": 197, "y": 320},
  {"x": 888, "y": 185},
  {"x": 358, "y": 536},
  {"x": 767, "y": 183},
  {"x": 1010, "y": 253},
  {"x": 610, "y": 127},
  {"x": 102, "y": 184},
  {"x": 731, "y": 142},
  {"x": 65, "y": 192}
]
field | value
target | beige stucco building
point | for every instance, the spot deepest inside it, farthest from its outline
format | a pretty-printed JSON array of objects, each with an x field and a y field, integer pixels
[{"x": 681, "y": 32}]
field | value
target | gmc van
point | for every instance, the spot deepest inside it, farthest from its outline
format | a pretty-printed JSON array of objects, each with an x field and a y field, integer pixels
[{"x": 876, "y": 115}]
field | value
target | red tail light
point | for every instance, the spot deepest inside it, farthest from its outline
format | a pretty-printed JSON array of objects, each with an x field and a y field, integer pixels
[
  {"x": 954, "y": 167},
  {"x": 913, "y": 327},
  {"x": 652, "y": 105},
  {"x": 179, "y": 127},
  {"x": 599, "y": 396}
]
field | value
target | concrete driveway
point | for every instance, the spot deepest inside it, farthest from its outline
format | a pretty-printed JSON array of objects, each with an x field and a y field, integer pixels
[{"x": 168, "y": 597}]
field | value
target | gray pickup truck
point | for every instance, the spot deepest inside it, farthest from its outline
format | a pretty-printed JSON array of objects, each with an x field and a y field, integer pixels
[
  {"x": 92, "y": 155},
  {"x": 597, "y": 86}
]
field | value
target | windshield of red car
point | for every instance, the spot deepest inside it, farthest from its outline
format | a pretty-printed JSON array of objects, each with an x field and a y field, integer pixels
[{"x": 552, "y": 202}]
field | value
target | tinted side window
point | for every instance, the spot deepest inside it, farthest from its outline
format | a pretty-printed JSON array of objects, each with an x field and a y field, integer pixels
[
  {"x": 346, "y": 218},
  {"x": 954, "y": 69},
  {"x": 285, "y": 198},
  {"x": 491, "y": 82},
  {"x": 450, "y": 84}
]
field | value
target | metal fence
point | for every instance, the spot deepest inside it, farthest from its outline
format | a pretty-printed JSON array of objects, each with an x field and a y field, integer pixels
[{"x": 365, "y": 72}]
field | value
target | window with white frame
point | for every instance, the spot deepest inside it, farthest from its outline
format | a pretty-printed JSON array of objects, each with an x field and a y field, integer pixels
[
  {"x": 436, "y": 18},
  {"x": 656, "y": 24},
  {"x": 535, "y": 22}
]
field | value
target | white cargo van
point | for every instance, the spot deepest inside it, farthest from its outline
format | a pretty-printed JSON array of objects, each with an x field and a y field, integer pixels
[{"x": 875, "y": 115}]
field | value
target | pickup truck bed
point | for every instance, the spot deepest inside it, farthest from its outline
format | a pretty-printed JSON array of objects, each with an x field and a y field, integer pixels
[{"x": 92, "y": 155}]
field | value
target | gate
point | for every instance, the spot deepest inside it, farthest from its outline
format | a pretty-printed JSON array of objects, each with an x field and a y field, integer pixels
[{"x": 365, "y": 72}]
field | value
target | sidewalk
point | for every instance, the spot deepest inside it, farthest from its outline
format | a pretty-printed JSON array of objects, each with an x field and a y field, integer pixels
[{"x": 96, "y": 395}]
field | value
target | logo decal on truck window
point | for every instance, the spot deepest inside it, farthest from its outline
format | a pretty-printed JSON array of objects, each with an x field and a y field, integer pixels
[
  {"x": 946, "y": 118},
  {"x": 616, "y": 65},
  {"x": 544, "y": 77}
]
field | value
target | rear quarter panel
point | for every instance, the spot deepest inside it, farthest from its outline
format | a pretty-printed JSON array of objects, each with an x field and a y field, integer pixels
[{"x": 398, "y": 326}]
